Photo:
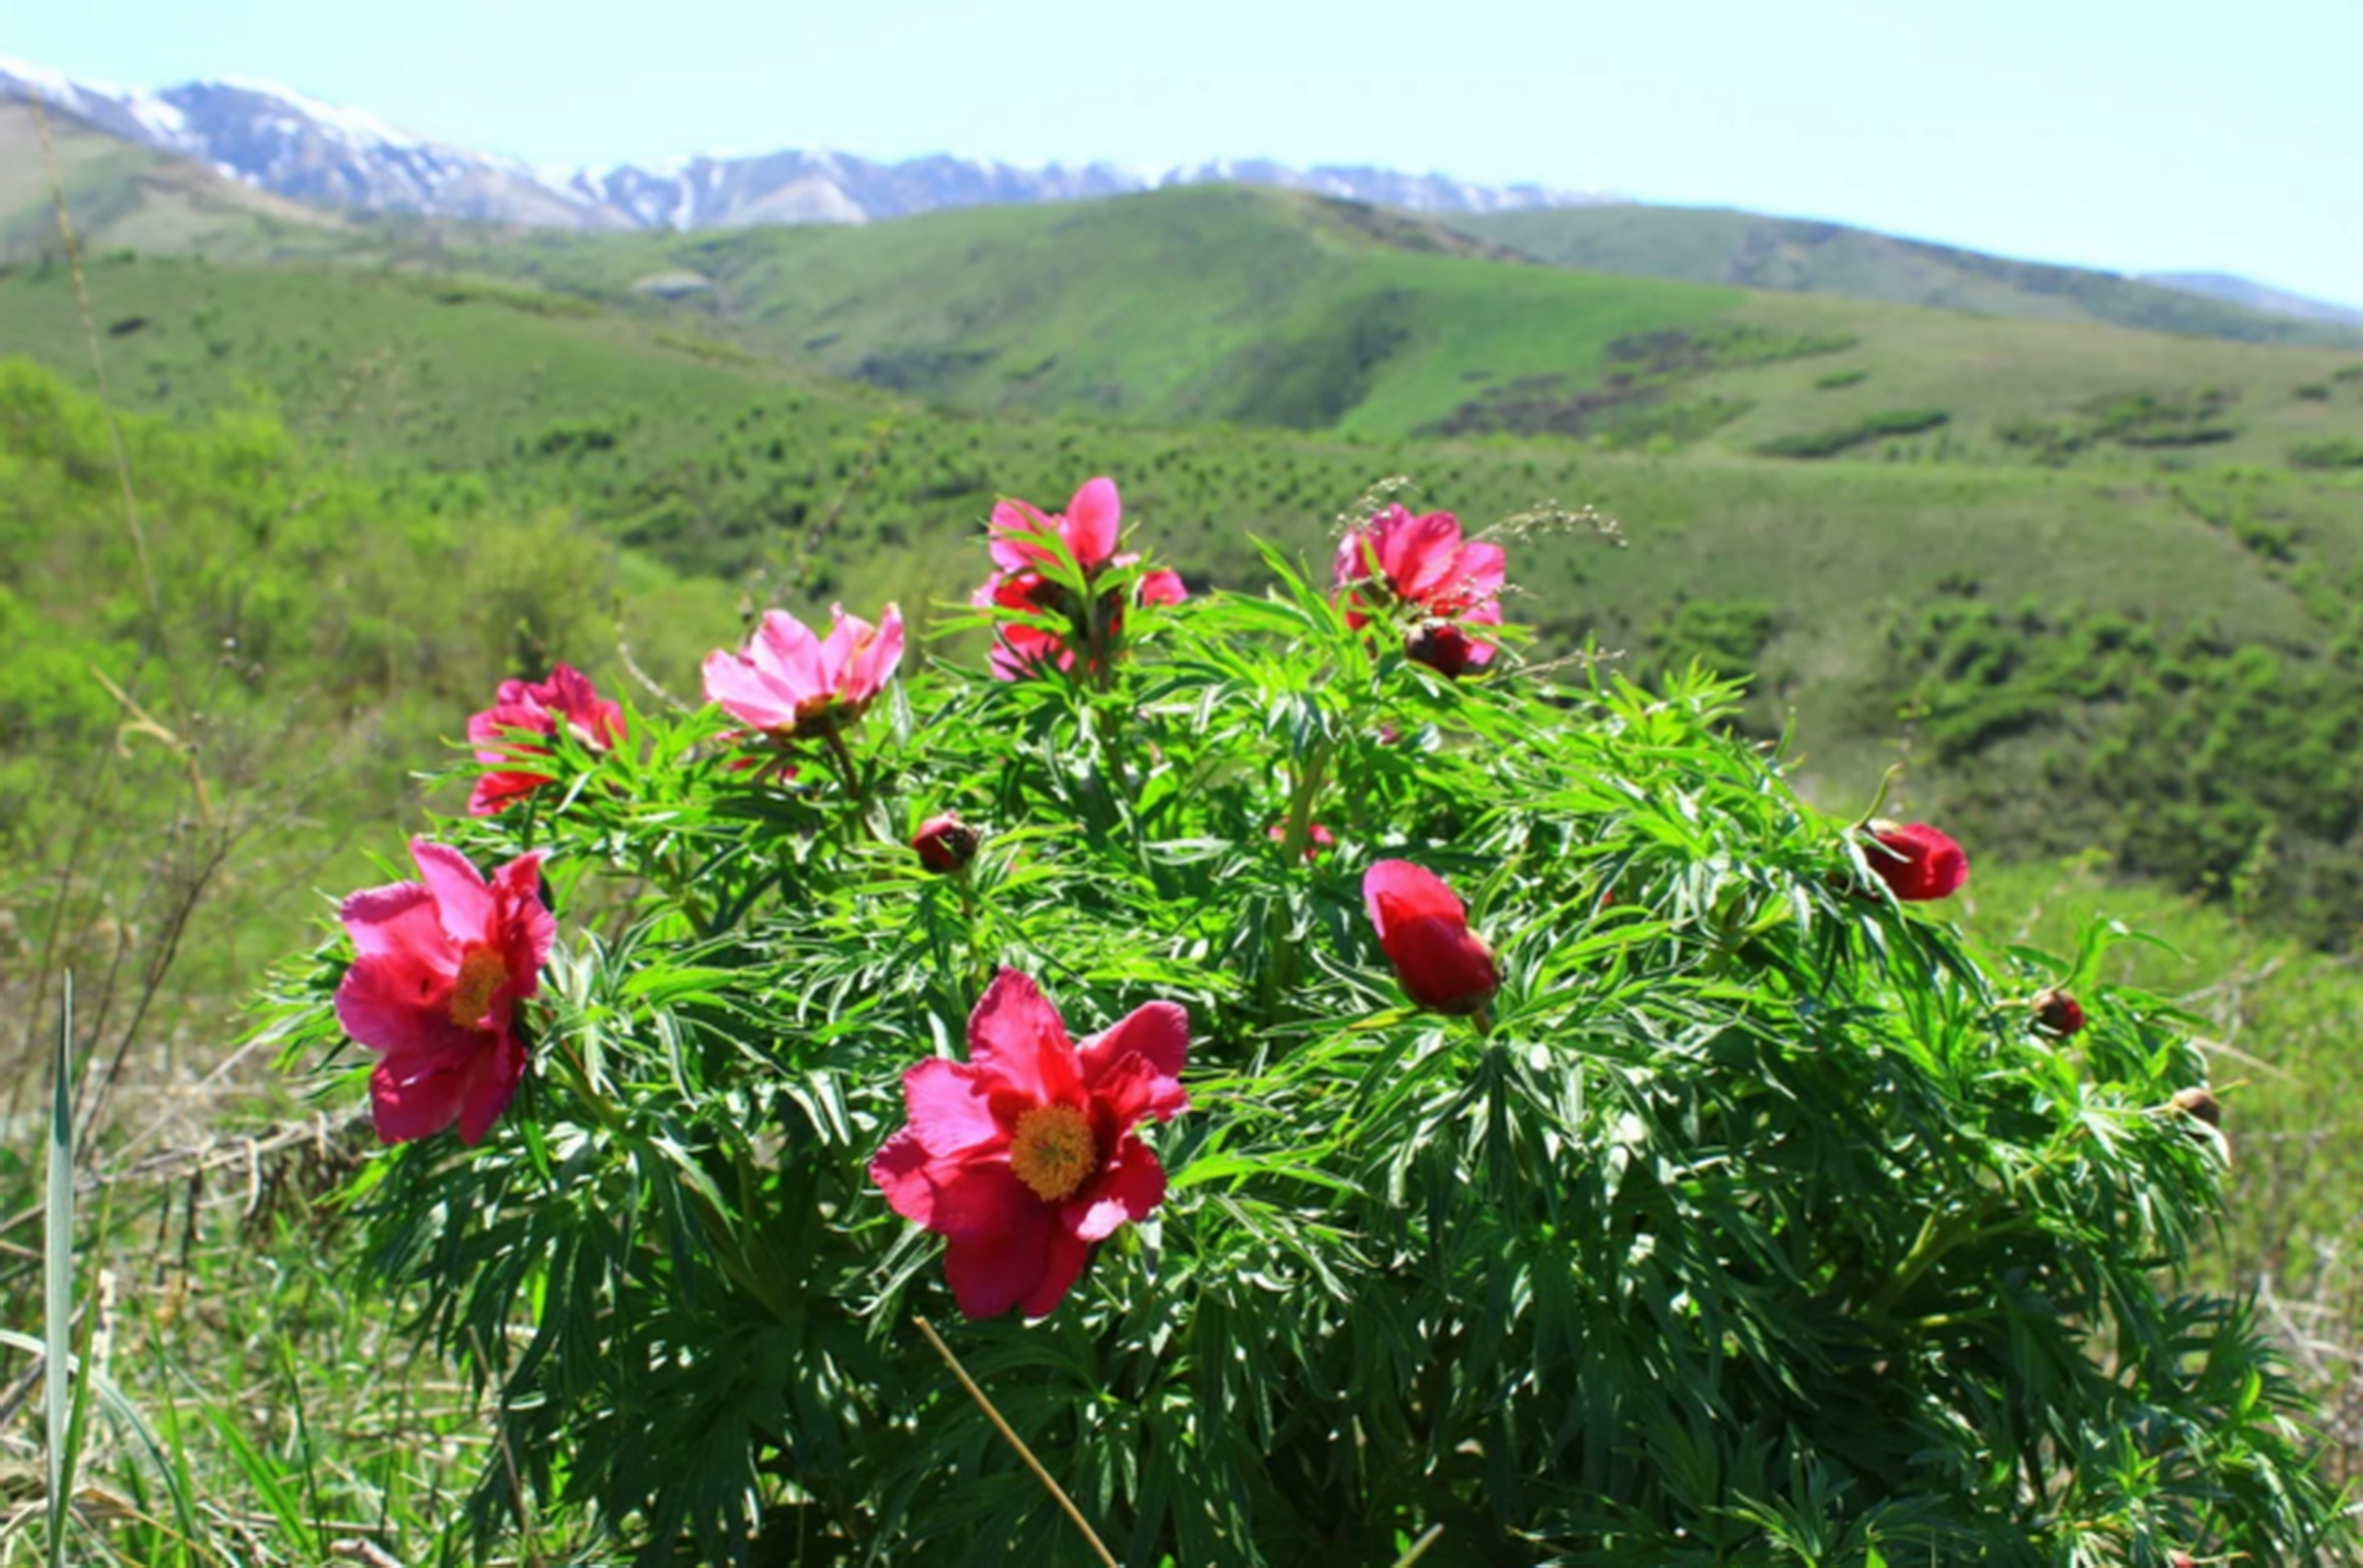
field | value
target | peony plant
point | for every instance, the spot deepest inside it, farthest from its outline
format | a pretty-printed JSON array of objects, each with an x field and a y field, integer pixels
[{"x": 1713, "y": 1206}]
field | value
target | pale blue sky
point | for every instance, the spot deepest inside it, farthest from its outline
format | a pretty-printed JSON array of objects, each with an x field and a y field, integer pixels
[{"x": 2133, "y": 135}]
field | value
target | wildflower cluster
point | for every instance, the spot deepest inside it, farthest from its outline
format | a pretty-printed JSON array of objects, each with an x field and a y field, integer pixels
[{"x": 1510, "y": 1109}]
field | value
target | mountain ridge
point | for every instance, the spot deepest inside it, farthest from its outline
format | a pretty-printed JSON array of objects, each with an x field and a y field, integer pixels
[{"x": 280, "y": 140}]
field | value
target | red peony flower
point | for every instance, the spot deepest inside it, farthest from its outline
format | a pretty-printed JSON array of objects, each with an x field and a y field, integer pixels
[
  {"x": 1023, "y": 1155},
  {"x": 789, "y": 683},
  {"x": 1425, "y": 931},
  {"x": 1421, "y": 569},
  {"x": 439, "y": 966},
  {"x": 1018, "y": 537},
  {"x": 2057, "y": 1012},
  {"x": 1916, "y": 862},
  {"x": 945, "y": 844},
  {"x": 536, "y": 707}
]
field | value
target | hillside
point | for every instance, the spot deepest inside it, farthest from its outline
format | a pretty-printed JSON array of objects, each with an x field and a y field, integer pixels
[
  {"x": 1255, "y": 307},
  {"x": 122, "y": 194},
  {"x": 1716, "y": 245}
]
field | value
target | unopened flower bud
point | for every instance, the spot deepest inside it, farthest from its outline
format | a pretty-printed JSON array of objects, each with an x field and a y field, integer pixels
[
  {"x": 945, "y": 844},
  {"x": 2057, "y": 1012},
  {"x": 2199, "y": 1105}
]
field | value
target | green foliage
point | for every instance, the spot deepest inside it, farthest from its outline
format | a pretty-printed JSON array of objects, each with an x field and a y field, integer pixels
[
  {"x": 2226, "y": 767},
  {"x": 1845, "y": 438},
  {"x": 2139, "y": 419},
  {"x": 1754, "y": 1220},
  {"x": 2335, "y": 452}
]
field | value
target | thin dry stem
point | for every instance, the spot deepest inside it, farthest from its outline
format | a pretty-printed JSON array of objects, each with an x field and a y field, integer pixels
[{"x": 1009, "y": 1436}]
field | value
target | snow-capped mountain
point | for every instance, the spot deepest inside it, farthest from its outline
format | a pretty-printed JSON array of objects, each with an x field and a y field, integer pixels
[{"x": 292, "y": 146}]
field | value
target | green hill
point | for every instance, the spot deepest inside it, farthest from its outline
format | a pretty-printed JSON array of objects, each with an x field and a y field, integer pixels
[
  {"x": 123, "y": 196},
  {"x": 1718, "y": 245}
]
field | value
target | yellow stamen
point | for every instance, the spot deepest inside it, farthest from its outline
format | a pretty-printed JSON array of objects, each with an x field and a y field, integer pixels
[
  {"x": 481, "y": 972},
  {"x": 1054, "y": 1152}
]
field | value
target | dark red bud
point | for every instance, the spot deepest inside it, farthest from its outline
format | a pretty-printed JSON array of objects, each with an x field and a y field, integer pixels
[
  {"x": 2057, "y": 1012},
  {"x": 945, "y": 844},
  {"x": 1441, "y": 645}
]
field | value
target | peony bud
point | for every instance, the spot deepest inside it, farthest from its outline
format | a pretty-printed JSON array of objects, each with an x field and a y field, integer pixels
[
  {"x": 945, "y": 844},
  {"x": 2057, "y": 1012},
  {"x": 2200, "y": 1106},
  {"x": 1916, "y": 862}
]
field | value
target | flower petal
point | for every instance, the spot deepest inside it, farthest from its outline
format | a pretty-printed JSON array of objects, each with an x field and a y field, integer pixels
[
  {"x": 1162, "y": 587},
  {"x": 991, "y": 1273},
  {"x": 1130, "y": 1187},
  {"x": 463, "y": 902},
  {"x": 395, "y": 919},
  {"x": 1132, "y": 1089},
  {"x": 1158, "y": 1031},
  {"x": 741, "y": 690},
  {"x": 1062, "y": 1263},
  {"x": 488, "y": 1085},
  {"x": 905, "y": 1173},
  {"x": 1396, "y": 891},
  {"x": 872, "y": 659},
  {"x": 1018, "y": 535},
  {"x": 949, "y": 1111},
  {"x": 1094, "y": 518},
  {"x": 527, "y": 929},
  {"x": 785, "y": 649},
  {"x": 1017, "y": 1036},
  {"x": 414, "y": 1106},
  {"x": 1417, "y": 553}
]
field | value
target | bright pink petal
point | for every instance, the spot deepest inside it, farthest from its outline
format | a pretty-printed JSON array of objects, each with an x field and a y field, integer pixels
[
  {"x": 874, "y": 658},
  {"x": 1473, "y": 583},
  {"x": 1162, "y": 587},
  {"x": 396, "y": 918},
  {"x": 741, "y": 690},
  {"x": 905, "y": 1172},
  {"x": 1062, "y": 1263},
  {"x": 1095, "y": 517},
  {"x": 1017, "y": 536},
  {"x": 527, "y": 928},
  {"x": 1132, "y": 1090},
  {"x": 498, "y": 733},
  {"x": 951, "y": 1112},
  {"x": 418, "y": 1107},
  {"x": 463, "y": 902},
  {"x": 495, "y": 792},
  {"x": 488, "y": 1085},
  {"x": 784, "y": 650},
  {"x": 991, "y": 1273},
  {"x": 1130, "y": 1187},
  {"x": 395, "y": 1003},
  {"x": 1357, "y": 556},
  {"x": 1418, "y": 553},
  {"x": 1018, "y": 1037},
  {"x": 1396, "y": 891},
  {"x": 1159, "y": 1032}
]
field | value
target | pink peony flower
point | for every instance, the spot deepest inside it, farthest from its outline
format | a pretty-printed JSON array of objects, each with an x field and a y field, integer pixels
[
  {"x": 1023, "y": 1156},
  {"x": 1425, "y": 931},
  {"x": 788, "y": 682},
  {"x": 439, "y": 966},
  {"x": 1088, "y": 529},
  {"x": 945, "y": 844},
  {"x": 536, "y": 707},
  {"x": 1419, "y": 567},
  {"x": 1917, "y": 862}
]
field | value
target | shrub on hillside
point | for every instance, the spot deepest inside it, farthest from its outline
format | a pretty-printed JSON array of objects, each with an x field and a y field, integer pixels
[
  {"x": 1500, "y": 1107},
  {"x": 1845, "y": 437}
]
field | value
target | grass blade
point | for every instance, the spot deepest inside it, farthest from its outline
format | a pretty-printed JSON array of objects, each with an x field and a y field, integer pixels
[{"x": 58, "y": 1282}]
